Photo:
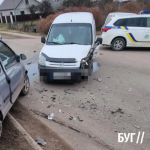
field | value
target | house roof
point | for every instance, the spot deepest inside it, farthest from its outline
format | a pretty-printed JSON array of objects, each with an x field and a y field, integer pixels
[{"x": 9, "y": 4}]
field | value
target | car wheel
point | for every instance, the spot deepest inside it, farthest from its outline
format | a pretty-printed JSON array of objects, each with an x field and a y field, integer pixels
[
  {"x": 26, "y": 87},
  {"x": 118, "y": 44}
]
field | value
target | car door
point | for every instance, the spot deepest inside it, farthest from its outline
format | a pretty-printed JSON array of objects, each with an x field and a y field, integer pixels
[
  {"x": 13, "y": 70},
  {"x": 134, "y": 30},
  {"x": 4, "y": 93},
  {"x": 146, "y": 36}
]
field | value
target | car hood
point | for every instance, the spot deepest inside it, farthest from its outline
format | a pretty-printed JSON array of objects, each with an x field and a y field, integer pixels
[{"x": 66, "y": 51}]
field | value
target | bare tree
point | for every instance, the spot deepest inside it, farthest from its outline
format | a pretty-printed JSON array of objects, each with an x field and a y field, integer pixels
[
  {"x": 45, "y": 8},
  {"x": 77, "y": 3}
]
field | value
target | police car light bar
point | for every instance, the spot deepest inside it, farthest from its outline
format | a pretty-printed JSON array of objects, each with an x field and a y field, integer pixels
[{"x": 144, "y": 12}]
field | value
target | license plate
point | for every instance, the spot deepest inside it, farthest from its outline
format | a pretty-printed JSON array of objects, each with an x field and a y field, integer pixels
[
  {"x": 61, "y": 75},
  {"x": 58, "y": 74}
]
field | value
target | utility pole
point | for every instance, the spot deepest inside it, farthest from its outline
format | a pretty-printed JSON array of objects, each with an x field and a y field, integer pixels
[{"x": 14, "y": 11}]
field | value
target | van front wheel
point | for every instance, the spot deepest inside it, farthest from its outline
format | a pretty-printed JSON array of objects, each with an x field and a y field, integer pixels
[{"x": 118, "y": 44}]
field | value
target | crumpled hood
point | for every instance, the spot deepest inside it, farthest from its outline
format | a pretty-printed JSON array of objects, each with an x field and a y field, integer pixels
[{"x": 66, "y": 51}]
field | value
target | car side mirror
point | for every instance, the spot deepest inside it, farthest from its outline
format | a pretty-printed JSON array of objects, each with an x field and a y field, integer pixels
[
  {"x": 23, "y": 57},
  {"x": 43, "y": 40},
  {"x": 98, "y": 41}
]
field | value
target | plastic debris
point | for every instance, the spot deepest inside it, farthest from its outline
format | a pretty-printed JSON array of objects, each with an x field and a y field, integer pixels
[
  {"x": 118, "y": 110},
  {"x": 130, "y": 89},
  {"x": 137, "y": 127},
  {"x": 99, "y": 80},
  {"x": 59, "y": 111},
  {"x": 67, "y": 91},
  {"x": 53, "y": 98},
  {"x": 49, "y": 106},
  {"x": 41, "y": 142},
  {"x": 82, "y": 106},
  {"x": 50, "y": 117},
  {"x": 80, "y": 119},
  {"x": 72, "y": 118},
  {"x": 93, "y": 106}
]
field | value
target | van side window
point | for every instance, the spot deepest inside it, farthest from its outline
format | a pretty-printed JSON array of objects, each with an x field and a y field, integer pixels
[
  {"x": 148, "y": 22},
  {"x": 7, "y": 56},
  {"x": 131, "y": 22}
]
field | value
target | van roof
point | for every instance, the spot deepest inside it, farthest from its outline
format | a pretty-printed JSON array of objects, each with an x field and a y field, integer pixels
[{"x": 74, "y": 17}]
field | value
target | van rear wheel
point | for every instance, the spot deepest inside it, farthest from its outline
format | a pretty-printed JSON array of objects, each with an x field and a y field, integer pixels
[{"x": 118, "y": 44}]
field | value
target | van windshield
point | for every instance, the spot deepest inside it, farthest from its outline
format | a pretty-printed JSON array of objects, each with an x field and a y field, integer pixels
[{"x": 70, "y": 34}]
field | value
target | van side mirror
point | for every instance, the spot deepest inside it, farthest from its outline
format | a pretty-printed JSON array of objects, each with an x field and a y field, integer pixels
[
  {"x": 43, "y": 40},
  {"x": 98, "y": 41},
  {"x": 23, "y": 57}
]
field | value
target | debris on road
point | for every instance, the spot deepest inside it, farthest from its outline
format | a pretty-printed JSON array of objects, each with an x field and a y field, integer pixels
[
  {"x": 130, "y": 89},
  {"x": 59, "y": 111},
  {"x": 137, "y": 127},
  {"x": 67, "y": 91},
  {"x": 118, "y": 110},
  {"x": 49, "y": 106},
  {"x": 72, "y": 118},
  {"x": 82, "y": 106},
  {"x": 93, "y": 106},
  {"x": 81, "y": 120},
  {"x": 40, "y": 91},
  {"x": 67, "y": 105},
  {"x": 50, "y": 117},
  {"x": 53, "y": 98},
  {"x": 41, "y": 142},
  {"x": 99, "y": 80}
]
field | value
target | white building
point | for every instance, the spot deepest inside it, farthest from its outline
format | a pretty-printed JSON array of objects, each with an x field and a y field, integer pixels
[{"x": 10, "y": 8}]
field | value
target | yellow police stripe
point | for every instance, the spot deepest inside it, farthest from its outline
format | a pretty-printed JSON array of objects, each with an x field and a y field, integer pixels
[
  {"x": 123, "y": 27},
  {"x": 129, "y": 36}
]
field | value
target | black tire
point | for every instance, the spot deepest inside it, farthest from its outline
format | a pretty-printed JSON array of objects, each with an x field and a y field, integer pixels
[
  {"x": 26, "y": 87},
  {"x": 118, "y": 44}
]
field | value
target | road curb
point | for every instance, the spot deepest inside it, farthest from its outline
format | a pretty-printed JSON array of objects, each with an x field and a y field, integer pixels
[{"x": 29, "y": 139}]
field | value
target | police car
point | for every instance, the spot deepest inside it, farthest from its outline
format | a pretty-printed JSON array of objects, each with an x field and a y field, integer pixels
[{"x": 129, "y": 31}]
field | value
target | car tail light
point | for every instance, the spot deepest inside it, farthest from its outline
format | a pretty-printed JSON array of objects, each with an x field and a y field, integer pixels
[{"x": 105, "y": 29}]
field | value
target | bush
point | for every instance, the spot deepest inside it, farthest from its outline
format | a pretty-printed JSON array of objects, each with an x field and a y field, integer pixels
[
  {"x": 133, "y": 7},
  {"x": 44, "y": 24}
]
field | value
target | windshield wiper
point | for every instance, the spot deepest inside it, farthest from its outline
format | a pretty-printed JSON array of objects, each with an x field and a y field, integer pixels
[
  {"x": 54, "y": 43},
  {"x": 72, "y": 43}
]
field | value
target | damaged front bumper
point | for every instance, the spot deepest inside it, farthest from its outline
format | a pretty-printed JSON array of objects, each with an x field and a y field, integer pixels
[{"x": 48, "y": 73}]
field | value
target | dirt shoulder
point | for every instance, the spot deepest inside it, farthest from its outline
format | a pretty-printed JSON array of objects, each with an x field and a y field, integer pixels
[
  {"x": 37, "y": 129},
  {"x": 12, "y": 139}
]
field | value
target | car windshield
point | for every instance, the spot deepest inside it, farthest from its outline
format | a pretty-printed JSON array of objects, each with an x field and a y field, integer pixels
[{"x": 70, "y": 34}]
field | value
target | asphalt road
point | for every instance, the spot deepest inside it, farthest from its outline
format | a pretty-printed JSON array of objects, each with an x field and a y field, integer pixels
[{"x": 114, "y": 100}]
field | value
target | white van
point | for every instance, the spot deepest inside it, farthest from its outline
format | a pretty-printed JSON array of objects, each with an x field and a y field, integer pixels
[
  {"x": 70, "y": 47},
  {"x": 131, "y": 31},
  {"x": 116, "y": 14}
]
